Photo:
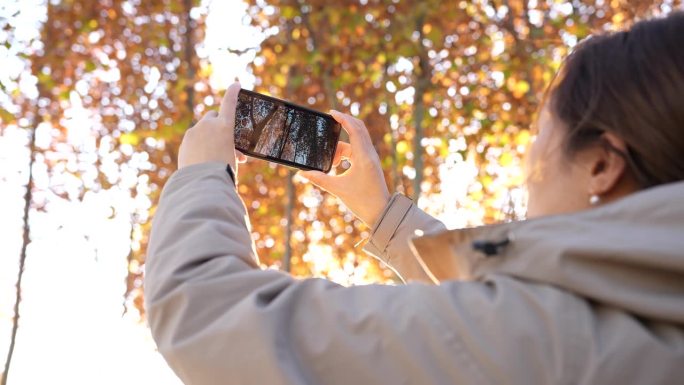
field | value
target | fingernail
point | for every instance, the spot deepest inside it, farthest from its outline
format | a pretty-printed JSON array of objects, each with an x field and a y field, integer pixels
[{"x": 334, "y": 112}]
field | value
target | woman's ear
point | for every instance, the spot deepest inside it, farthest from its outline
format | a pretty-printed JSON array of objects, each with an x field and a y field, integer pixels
[{"x": 609, "y": 166}]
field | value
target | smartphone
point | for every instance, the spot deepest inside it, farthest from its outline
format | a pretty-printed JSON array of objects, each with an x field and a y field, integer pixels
[{"x": 282, "y": 132}]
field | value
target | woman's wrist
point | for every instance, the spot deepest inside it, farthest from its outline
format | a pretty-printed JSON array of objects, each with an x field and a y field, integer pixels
[{"x": 374, "y": 212}]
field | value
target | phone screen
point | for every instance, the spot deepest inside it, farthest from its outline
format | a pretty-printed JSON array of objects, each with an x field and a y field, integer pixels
[{"x": 282, "y": 132}]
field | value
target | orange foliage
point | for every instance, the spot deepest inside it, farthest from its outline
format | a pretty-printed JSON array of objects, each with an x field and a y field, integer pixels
[{"x": 440, "y": 84}]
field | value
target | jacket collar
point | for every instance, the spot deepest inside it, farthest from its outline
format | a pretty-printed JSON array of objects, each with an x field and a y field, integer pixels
[{"x": 623, "y": 253}]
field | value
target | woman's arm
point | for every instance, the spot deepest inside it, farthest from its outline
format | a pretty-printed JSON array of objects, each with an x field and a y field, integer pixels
[
  {"x": 363, "y": 190},
  {"x": 218, "y": 319}
]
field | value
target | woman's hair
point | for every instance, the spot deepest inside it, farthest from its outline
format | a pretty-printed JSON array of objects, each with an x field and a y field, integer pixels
[{"x": 631, "y": 84}]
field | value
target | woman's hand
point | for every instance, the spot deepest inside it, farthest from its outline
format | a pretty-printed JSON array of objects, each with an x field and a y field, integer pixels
[
  {"x": 362, "y": 187},
  {"x": 211, "y": 139}
]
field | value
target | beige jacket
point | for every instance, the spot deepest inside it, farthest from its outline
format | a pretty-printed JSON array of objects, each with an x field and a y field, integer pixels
[{"x": 595, "y": 297}]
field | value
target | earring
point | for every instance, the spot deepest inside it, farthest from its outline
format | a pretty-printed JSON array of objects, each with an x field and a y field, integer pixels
[{"x": 594, "y": 199}]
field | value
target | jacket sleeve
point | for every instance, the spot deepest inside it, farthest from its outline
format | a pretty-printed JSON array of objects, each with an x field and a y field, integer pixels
[
  {"x": 218, "y": 319},
  {"x": 389, "y": 241}
]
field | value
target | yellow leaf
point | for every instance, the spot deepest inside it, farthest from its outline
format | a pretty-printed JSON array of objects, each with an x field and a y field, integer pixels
[
  {"x": 382, "y": 58},
  {"x": 288, "y": 12},
  {"x": 476, "y": 195},
  {"x": 521, "y": 89},
  {"x": 129, "y": 138},
  {"x": 402, "y": 147},
  {"x": 487, "y": 181},
  {"x": 279, "y": 80},
  {"x": 205, "y": 70},
  {"x": 506, "y": 159},
  {"x": 522, "y": 138}
]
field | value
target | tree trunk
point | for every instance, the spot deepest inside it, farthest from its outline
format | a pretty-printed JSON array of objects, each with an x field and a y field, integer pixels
[
  {"x": 286, "y": 133},
  {"x": 130, "y": 277},
  {"x": 28, "y": 198},
  {"x": 422, "y": 82},
  {"x": 396, "y": 179},
  {"x": 290, "y": 188},
  {"x": 258, "y": 129},
  {"x": 325, "y": 73},
  {"x": 289, "y": 216},
  {"x": 418, "y": 113},
  {"x": 189, "y": 51}
]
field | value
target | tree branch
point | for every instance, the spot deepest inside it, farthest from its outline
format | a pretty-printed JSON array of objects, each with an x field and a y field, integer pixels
[{"x": 240, "y": 51}]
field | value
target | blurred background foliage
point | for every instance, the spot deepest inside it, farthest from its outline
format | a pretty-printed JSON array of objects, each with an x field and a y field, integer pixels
[
  {"x": 448, "y": 90},
  {"x": 95, "y": 96}
]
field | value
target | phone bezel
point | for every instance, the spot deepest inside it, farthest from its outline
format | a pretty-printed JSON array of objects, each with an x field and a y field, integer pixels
[{"x": 295, "y": 106}]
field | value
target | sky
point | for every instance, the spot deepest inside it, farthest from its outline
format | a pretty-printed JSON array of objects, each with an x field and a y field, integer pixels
[{"x": 72, "y": 330}]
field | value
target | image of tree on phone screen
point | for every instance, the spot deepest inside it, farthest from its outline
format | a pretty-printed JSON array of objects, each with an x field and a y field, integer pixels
[{"x": 276, "y": 130}]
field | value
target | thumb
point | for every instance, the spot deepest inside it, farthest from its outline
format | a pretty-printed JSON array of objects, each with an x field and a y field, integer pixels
[{"x": 320, "y": 179}]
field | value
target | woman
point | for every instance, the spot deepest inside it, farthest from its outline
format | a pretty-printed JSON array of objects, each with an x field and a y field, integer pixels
[{"x": 593, "y": 294}]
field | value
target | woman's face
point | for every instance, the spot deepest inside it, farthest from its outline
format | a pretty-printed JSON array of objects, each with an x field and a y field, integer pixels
[{"x": 555, "y": 184}]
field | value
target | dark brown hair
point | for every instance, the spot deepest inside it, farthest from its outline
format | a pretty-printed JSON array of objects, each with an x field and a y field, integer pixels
[{"x": 631, "y": 84}]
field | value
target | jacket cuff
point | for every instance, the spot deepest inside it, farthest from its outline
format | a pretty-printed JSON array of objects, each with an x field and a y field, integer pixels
[
  {"x": 390, "y": 219},
  {"x": 205, "y": 168}
]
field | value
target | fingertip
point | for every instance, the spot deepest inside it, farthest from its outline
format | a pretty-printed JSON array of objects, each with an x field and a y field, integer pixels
[
  {"x": 229, "y": 102},
  {"x": 210, "y": 114},
  {"x": 338, "y": 116},
  {"x": 234, "y": 89}
]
